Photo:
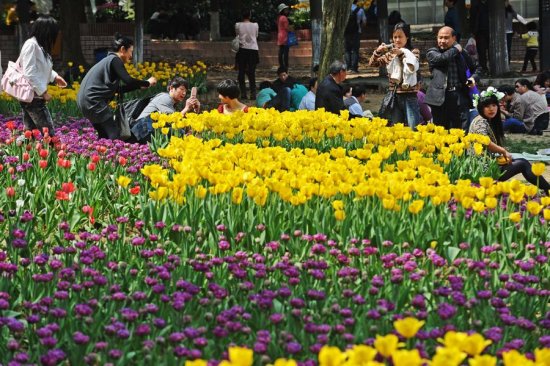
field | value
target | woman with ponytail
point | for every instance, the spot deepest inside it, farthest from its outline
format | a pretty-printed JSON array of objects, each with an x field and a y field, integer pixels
[{"x": 103, "y": 81}]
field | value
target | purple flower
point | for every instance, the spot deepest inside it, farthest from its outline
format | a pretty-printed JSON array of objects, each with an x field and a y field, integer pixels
[
  {"x": 293, "y": 347},
  {"x": 80, "y": 338},
  {"x": 446, "y": 311}
]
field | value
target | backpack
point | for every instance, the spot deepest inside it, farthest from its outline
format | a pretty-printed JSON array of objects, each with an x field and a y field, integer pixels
[{"x": 353, "y": 27}]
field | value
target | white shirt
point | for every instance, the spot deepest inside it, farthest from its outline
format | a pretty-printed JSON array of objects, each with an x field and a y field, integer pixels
[
  {"x": 37, "y": 66},
  {"x": 248, "y": 34},
  {"x": 308, "y": 102}
]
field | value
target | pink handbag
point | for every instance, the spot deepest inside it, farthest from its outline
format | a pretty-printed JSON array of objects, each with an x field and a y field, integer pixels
[{"x": 16, "y": 84}]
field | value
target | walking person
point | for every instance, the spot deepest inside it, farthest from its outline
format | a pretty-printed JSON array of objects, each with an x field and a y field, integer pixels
[
  {"x": 402, "y": 65},
  {"x": 102, "y": 82},
  {"x": 532, "y": 46},
  {"x": 352, "y": 36},
  {"x": 447, "y": 94},
  {"x": 37, "y": 65},
  {"x": 489, "y": 123},
  {"x": 509, "y": 16},
  {"x": 247, "y": 55},
  {"x": 283, "y": 27}
]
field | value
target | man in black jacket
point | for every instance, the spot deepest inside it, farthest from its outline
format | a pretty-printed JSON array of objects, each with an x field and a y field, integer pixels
[
  {"x": 447, "y": 94},
  {"x": 329, "y": 92}
]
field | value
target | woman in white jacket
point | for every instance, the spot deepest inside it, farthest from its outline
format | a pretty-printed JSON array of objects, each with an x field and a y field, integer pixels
[
  {"x": 37, "y": 66},
  {"x": 402, "y": 65}
]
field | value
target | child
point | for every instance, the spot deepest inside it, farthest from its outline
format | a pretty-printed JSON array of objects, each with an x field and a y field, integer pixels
[
  {"x": 229, "y": 92},
  {"x": 532, "y": 37}
]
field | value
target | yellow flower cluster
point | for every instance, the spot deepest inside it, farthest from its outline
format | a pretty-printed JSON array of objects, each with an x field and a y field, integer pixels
[
  {"x": 301, "y": 5},
  {"x": 455, "y": 348},
  {"x": 163, "y": 71}
]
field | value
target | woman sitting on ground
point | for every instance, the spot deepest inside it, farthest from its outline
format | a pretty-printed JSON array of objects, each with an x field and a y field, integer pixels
[
  {"x": 489, "y": 123},
  {"x": 229, "y": 91}
]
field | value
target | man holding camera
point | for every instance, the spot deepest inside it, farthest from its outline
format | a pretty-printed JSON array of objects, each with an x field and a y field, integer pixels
[{"x": 452, "y": 78}]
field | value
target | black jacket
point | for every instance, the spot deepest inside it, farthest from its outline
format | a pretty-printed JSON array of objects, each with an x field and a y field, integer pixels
[{"x": 329, "y": 96}]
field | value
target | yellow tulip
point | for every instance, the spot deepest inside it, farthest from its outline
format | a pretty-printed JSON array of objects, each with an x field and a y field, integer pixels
[
  {"x": 416, "y": 206},
  {"x": 330, "y": 356},
  {"x": 484, "y": 360},
  {"x": 70, "y": 64},
  {"x": 338, "y": 205},
  {"x": 478, "y": 206},
  {"x": 515, "y": 217},
  {"x": 285, "y": 362},
  {"x": 448, "y": 357},
  {"x": 237, "y": 195},
  {"x": 408, "y": 327},
  {"x": 514, "y": 358},
  {"x": 546, "y": 214},
  {"x": 339, "y": 215},
  {"x": 360, "y": 355},
  {"x": 453, "y": 339},
  {"x": 240, "y": 356},
  {"x": 491, "y": 202},
  {"x": 407, "y": 358},
  {"x": 387, "y": 345},
  {"x": 123, "y": 181},
  {"x": 160, "y": 194},
  {"x": 538, "y": 169},
  {"x": 474, "y": 344},
  {"x": 534, "y": 208},
  {"x": 197, "y": 362},
  {"x": 542, "y": 356}
]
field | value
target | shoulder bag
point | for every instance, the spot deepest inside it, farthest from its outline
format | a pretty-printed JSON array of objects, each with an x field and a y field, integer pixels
[
  {"x": 387, "y": 103},
  {"x": 16, "y": 84}
]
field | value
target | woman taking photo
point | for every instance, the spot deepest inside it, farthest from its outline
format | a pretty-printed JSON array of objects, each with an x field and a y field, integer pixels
[
  {"x": 489, "y": 123},
  {"x": 247, "y": 56},
  {"x": 37, "y": 65},
  {"x": 102, "y": 82},
  {"x": 402, "y": 65}
]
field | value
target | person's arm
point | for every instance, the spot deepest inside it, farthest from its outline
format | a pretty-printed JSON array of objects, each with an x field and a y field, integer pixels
[
  {"x": 518, "y": 109},
  {"x": 379, "y": 57},
  {"x": 520, "y": 18},
  {"x": 356, "y": 109},
  {"x": 437, "y": 58},
  {"x": 472, "y": 65},
  {"x": 117, "y": 67}
]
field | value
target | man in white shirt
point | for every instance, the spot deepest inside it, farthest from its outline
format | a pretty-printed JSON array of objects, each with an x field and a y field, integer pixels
[{"x": 308, "y": 101}]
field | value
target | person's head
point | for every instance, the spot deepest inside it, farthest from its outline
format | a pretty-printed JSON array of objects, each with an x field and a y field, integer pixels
[
  {"x": 45, "y": 30},
  {"x": 445, "y": 38},
  {"x": 177, "y": 88},
  {"x": 509, "y": 92},
  {"x": 401, "y": 36},
  {"x": 360, "y": 92},
  {"x": 247, "y": 14},
  {"x": 450, "y": 3},
  {"x": 394, "y": 18},
  {"x": 488, "y": 107},
  {"x": 313, "y": 85},
  {"x": 265, "y": 85},
  {"x": 543, "y": 79},
  {"x": 228, "y": 89},
  {"x": 283, "y": 9},
  {"x": 282, "y": 73},
  {"x": 338, "y": 71},
  {"x": 347, "y": 90},
  {"x": 523, "y": 86},
  {"x": 124, "y": 47}
]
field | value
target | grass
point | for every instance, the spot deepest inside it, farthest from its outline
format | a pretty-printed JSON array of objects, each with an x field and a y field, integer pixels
[{"x": 520, "y": 144}]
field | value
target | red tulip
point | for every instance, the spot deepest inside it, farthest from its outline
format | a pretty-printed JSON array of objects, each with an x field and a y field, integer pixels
[
  {"x": 1, "y": 167},
  {"x": 26, "y": 156},
  {"x": 43, "y": 164},
  {"x": 91, "y": 167},
  {"x": 122, "y": 160},
  {"x": 28, "y": 134},
  {"x": 36, "y": 133},
  {"x": 10, "y": 125},
  {"x": 28, "y": 147},
  {"x": 68, "y": 187},
  {"x": 135, "y": 190},
  {"x": 61, "y": 196},
  {"x": 10, "y": 191},
  {"x": 11, "y": 170},
  {"x": 61, "y": 154},
  {"x": 95, "y": 158},
  {"x": 43, "y": 153}
]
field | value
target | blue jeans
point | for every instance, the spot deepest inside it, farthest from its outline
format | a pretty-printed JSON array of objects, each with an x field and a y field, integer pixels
[
  {"x": 142, "y": 129},
  {"x": 514, "y": 125},
  {"x": 406, "y": 109},
  {"x": 36, "y": 115}
]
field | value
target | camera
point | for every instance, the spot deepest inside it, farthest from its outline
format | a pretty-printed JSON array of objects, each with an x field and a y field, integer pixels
[{"x": 389, "y": 47}]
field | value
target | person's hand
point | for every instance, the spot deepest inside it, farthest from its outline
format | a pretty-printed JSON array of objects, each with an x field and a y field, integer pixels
[
  {"x": 47, "y": 97},
  {"x": 471, "y": 82},
  {"x": 458, "y": 47},
  {"x": 382, "y": 48},
  {"x": 196, "y": 105},
  {"x": 397, "y": 51},
  {"x": 152, "y": 81},
  {"x": 60, "y": 82}
]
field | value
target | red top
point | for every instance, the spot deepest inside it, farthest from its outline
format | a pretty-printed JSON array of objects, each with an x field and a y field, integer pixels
[{"x": 282, "y": 28}]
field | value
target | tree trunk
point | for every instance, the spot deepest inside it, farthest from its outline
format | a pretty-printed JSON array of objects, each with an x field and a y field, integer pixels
[
  {"x": 214, "y": 20},
  {"x": 498, "y": 60},
  {"x": 316, "y": 13},
  {"x": 71, "y": 14},
  {"x": 382, "y": 12},
  {"x": 544, "y": 34},
  {"x": 335, "y": 18},
  {"x": 138, "y": 49}
]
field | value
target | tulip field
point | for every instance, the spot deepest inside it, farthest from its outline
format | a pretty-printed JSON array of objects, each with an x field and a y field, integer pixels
[{"x": 295, "y": 238}]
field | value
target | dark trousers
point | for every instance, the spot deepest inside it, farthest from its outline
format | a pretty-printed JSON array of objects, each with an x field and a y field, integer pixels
[
  {"x": 541, "y": 122},
  {"x": 37, "y": 116},
  {"x": 482, "y": 44},
  {"x": 281, "y": 101},
  {"x": 351, "y": 45},
  {"x": 530, "y": 54},
  {"x": 247, "y": 61},
  {"x": 509, "y": 37},
  {"x": 283, "y": 56},
  {"x": 107, "y": 130},
  {"x": 450, "y": 114},
  {"x": 524, "y": 167}
]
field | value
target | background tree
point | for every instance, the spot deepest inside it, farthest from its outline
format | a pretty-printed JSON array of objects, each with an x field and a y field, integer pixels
[
  {"x": 498, "y": 62},
  {"x": 316, "y": 13},
  {"x": 335, "y": 17},
  {"x": 71, "y": 14}
]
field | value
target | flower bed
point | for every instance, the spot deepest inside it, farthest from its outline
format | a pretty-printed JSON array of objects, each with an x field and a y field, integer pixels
[{"x": 281, "y": 233}]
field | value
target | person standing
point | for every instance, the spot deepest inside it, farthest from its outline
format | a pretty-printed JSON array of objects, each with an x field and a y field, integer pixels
[
  {"x": 447, "y": 94},
  {"x": 352, "y": 36},
  {"x": 402, "y": 66},
  {"x": 247, "y": 56},
  {"x": 509, "y": 16},
  {"x": 479, "y": 25},
  {"x": 37, "y": 66},
  {"x": 283, "y": 27},
  {"x": 532, "y": 46},
  {"x": 102, "y": 82},
  {"x": 329, "y": 92}
]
